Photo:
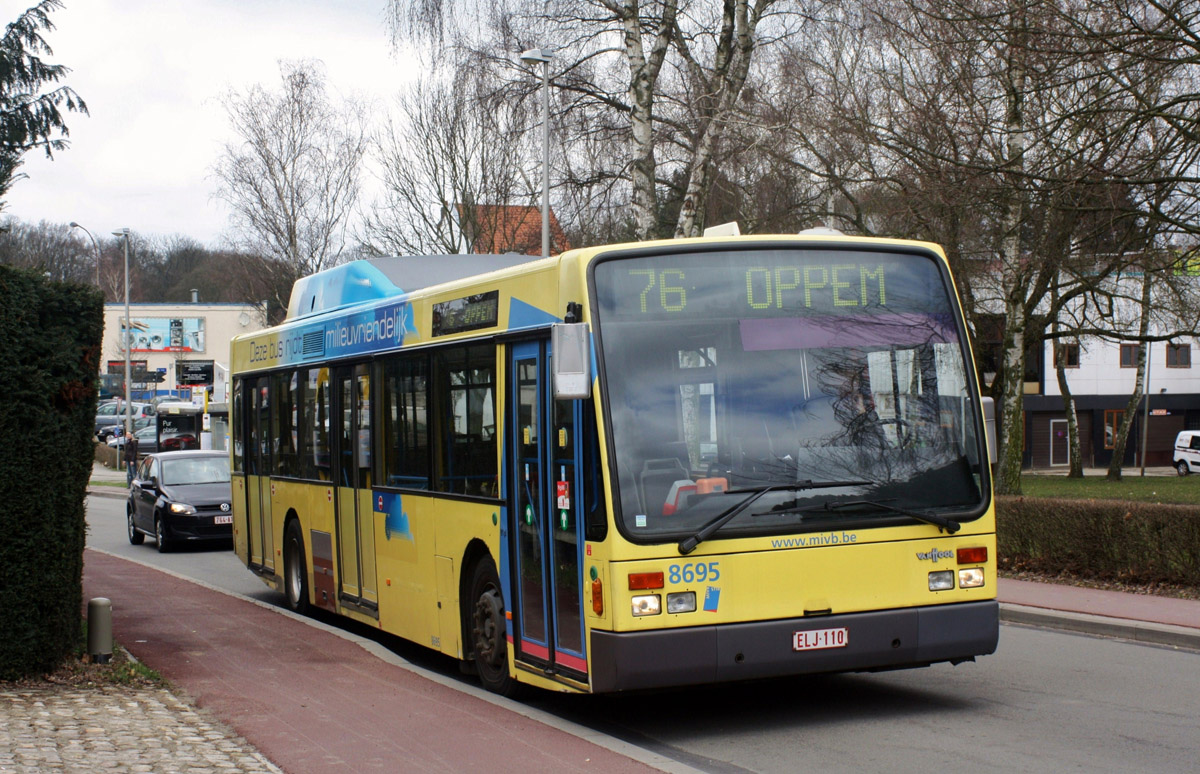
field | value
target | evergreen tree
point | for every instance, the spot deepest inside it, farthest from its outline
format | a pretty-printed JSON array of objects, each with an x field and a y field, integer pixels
[{"x": 29, "y": 117}]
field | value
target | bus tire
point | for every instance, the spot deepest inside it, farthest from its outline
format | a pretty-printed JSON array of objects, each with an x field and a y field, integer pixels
[
  {"x": 295, "y": 569},
  {"x": 486, "y": 626}
]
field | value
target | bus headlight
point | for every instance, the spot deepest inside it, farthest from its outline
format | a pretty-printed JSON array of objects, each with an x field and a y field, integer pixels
[
  {"x": 650, "y": 604},
  {"x": 681, "y": 602},
  {"x": 941, "y": 580},
  {"x": 971, "y": 578}
]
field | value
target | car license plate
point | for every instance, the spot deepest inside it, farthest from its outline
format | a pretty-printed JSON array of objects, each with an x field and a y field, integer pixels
[
  {"x": 223, "y": 519},
  {"x": 821, "y": 639}
]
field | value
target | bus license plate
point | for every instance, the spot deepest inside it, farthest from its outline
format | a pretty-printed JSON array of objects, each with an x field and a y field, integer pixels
[
  {"x": 223, "y": 519},
  {"x": 821, "y": 639}
]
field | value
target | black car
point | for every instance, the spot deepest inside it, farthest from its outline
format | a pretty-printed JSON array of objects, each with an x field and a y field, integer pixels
[{"x": 181, "y": 497}]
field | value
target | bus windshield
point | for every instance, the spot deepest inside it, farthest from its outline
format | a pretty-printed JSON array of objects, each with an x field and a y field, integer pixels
[{"x": 731, "y": 372}]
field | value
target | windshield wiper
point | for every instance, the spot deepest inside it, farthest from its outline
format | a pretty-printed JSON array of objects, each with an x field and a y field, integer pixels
[
  {"x": 688, "y": 545},
  {"x": 941, "y": 522}
]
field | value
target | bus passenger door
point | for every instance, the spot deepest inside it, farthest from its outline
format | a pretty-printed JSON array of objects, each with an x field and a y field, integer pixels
[
  {"x": 258, "y": 473},
  {"x": 544, "y": 511},
  {"x": 352, "y": 482}
]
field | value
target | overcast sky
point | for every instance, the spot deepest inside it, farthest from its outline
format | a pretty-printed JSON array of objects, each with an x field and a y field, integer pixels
[{"x": 152, "y": 71}]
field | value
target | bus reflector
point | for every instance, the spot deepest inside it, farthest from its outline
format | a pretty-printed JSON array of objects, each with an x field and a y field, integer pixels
[
  {"x": 977, "y": 555},
  {"x": 597, "y": 597},
  {"x": 645, "y": 580}
]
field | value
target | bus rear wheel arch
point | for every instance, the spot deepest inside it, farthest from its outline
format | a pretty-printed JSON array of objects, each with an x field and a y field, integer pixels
[{"x": 487, "y": 631}]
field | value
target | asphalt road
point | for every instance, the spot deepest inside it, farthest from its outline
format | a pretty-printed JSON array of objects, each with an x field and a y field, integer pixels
[{"x": 1046, "y": 702}]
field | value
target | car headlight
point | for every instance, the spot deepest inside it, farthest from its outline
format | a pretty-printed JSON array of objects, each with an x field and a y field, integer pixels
[{"x": 182, "y": 508}]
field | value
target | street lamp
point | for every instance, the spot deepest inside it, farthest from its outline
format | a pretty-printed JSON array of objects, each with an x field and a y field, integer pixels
[
  {"x": 544, "y": 55},
  {"x": 128, "y": 376},
  {"x": 95, "y": 245}
]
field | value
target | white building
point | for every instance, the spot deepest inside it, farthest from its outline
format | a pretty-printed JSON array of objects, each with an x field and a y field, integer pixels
[
  {"x": 1101, "y": 376},
  {"x": 175, "y": 349}
]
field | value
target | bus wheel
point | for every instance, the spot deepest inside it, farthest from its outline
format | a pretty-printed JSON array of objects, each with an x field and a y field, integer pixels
[
  {"x": 489, "y": 639},
  {"x": 295, "y": 569}
]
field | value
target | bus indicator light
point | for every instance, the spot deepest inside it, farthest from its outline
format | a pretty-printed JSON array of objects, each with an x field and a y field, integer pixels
[
  {"x": 975, "y": 555},
  {"x": 597, "y": 597},
  {"x": 645, "y": 580}
]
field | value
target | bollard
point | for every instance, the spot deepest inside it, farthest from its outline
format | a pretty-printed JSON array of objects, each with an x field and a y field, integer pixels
[{"x": 100, "y": 641}]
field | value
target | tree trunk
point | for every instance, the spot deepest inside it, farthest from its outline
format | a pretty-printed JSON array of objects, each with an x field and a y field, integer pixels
[
  {"x": 1012, "y": 438},
  {"x": 1075, "y": 469},
  {"x": 1122, "y": 437},
  {"x": 643, "y": 77}
]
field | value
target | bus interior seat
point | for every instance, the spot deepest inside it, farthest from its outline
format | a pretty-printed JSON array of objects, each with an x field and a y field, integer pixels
[{"x": 656, "y": 479}]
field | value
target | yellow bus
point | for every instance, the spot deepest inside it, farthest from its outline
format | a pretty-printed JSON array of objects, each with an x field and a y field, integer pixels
[{"x": 630, "y": 466}]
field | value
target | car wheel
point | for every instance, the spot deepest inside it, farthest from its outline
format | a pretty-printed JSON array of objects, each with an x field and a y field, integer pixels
[
  {"x": 135, "y": 537},
  {"x": 1182, "y": 467},
  {"x": 160, "y": 535},
  {"x": 295, "y": 569},
  {"x": 489, "y": 640}
]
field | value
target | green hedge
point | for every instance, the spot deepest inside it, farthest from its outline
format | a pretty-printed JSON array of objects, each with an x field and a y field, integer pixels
[
  {"x": 50, "y": 343},
  {"x": 1108, "y": 539}
]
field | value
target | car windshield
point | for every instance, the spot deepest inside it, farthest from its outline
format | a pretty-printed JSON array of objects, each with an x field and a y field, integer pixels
[
  {"x": 195, "y": 470},
  {"x": 749, "y": 370}
]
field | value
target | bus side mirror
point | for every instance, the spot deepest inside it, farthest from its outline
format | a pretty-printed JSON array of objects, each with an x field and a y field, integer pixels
[
  {"x": 989, "y": 428},
  {"x": 572, "y": 361}
]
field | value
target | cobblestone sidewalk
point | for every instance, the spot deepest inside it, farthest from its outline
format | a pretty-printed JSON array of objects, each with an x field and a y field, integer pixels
[{"x": 119, "y": 730}]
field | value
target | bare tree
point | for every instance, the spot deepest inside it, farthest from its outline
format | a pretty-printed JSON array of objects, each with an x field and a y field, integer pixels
[
  {"x": 671, "y": 70},
  {"x": 457, "y": 145},
  {"x": 49, "y": 249},
  {"x": 292, "y": 178}
]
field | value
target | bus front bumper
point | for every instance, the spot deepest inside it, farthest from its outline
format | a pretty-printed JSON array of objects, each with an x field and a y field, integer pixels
[{"x": 887, "y": 639}]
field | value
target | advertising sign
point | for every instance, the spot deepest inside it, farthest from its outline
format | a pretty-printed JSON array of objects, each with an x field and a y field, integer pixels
[
  {"x": 167, "y": 334},
  {"x": 195, "y": 372}
]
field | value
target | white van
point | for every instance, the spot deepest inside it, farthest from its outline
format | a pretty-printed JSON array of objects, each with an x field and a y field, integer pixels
[{"x": 1187, "y": 452}]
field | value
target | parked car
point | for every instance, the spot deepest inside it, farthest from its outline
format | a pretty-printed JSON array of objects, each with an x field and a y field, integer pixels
[
  {"x": 1187, "y": 452},
  {"x": 110, "y": 415},
  {"x": 146, "y": 435},
  {"x": 181, "y": 497}
]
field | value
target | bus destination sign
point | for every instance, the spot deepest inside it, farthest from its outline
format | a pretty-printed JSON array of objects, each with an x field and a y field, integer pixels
[{"x": 469, "y": 313}]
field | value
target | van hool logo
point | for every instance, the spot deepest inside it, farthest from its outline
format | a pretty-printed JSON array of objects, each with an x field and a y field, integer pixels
[{"x": 934, "y": 555}]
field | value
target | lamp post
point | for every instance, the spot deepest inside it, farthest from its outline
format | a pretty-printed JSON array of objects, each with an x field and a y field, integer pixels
[
  {"x": 124, "y": 233},
  {"x": 544, "y": 55},
  {"x": 95, "y": 245}
]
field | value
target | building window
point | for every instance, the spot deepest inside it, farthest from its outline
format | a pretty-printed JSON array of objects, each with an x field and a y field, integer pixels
[
  {"x": 1112, "y": 422},
  {"x": 1066, "y": 353},
  {"x": 1129, "y": 355},
  {"x": 1179, "y": 355}
]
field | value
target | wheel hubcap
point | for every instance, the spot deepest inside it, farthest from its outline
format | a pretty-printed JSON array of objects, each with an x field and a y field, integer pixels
[{"x": 488, "y": 616}]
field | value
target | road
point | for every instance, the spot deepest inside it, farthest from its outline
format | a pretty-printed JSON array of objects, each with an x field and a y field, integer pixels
[{"x": 1046, "y": 702}]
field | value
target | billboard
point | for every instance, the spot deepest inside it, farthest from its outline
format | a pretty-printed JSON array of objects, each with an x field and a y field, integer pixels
[{"x": 166, "y": 334}]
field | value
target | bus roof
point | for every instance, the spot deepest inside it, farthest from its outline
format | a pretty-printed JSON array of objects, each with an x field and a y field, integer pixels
[{"x": 377, "y": 278}]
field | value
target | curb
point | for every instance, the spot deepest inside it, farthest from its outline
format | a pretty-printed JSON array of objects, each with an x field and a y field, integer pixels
[
  {"x": 115, "y": 492},
  {"x": 1102, "y": 626}
]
